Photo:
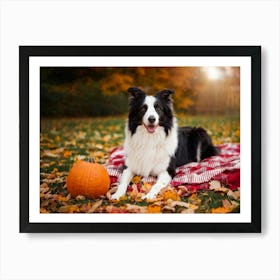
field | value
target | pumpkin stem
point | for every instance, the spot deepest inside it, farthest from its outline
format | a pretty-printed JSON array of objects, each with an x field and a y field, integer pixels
[{"x": 90, "y": 159}]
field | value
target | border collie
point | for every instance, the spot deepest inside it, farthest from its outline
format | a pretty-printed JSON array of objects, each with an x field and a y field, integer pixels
[{"x": 154, "y": 145}]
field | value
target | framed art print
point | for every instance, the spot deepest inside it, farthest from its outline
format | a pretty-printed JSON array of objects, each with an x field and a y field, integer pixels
[{"x": 140, "y": 138}]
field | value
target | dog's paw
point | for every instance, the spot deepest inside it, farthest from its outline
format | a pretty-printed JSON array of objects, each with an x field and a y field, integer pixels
[{"x": 117, "y": 196}]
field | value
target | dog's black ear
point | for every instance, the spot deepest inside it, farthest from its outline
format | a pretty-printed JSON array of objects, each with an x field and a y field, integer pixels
[
  {"x": 135, "y": 92},
  {"x": 165, "y": 94}
]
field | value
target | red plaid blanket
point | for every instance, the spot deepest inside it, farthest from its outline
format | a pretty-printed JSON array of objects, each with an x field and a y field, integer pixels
[{"x": 194, "y": 175}]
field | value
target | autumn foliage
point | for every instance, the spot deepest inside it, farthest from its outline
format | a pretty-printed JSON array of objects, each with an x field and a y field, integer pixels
[{"x": 96, "y": 91}]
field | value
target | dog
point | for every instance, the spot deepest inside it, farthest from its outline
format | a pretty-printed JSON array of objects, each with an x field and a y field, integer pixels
[{"x": 154, "y": 144}]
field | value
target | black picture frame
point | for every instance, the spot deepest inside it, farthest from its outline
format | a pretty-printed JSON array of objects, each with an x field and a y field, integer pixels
[{"x": 254, "y": 52}]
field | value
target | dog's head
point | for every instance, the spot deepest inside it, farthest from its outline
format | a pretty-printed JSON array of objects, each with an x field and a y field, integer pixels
[{"x": 150, "y": 111}]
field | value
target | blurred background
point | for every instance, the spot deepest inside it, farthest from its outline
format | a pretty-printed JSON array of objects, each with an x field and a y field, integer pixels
[{"x": 101, "y": 91}]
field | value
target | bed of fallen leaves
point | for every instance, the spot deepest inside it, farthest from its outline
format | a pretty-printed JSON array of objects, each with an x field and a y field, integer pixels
[{"x": 63, "y": 141}]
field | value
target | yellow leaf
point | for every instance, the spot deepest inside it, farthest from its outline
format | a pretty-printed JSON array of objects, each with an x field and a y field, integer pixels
[
  {"x": 123, "y": 197},
  {"x": 55, "y": 170},
  {"x": 136, "y": 179},
  {"x": 106, "y": 138},
  {"x": 193, "y": 196},
  {"x": 146, "y": 187},
  {"x": 134, "y": 193},
  {"x": 97, "y": 154},
  {"x": 192, "y": 206},
  {"x": 194, "y": 200}
]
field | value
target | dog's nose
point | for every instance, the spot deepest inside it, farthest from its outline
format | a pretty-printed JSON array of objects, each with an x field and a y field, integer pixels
[{"x": 151, "y": 119}]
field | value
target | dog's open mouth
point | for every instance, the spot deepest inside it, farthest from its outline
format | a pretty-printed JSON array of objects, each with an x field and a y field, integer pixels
[{"x": 151, "y": 128}]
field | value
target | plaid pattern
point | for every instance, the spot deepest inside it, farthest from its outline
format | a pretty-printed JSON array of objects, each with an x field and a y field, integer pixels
[{"x": 195, "y": 175}]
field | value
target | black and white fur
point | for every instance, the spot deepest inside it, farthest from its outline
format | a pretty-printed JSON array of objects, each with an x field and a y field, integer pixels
[{"x": 154, "y": 145}]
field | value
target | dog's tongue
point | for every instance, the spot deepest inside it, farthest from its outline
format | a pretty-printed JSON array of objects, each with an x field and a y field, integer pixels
[{"x": 151, "y": 128}]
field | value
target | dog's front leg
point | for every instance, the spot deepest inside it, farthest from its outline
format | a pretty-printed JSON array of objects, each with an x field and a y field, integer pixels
[
  {"x": 124, "y": 182},
  {"x": 162, "y": 181}
]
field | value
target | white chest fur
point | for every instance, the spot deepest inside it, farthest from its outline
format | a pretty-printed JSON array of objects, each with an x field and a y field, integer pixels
[{"x": 149, "y": 153}]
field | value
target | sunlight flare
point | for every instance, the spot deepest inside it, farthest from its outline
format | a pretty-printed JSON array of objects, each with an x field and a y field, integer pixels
[{"x": 213, "y": 73}]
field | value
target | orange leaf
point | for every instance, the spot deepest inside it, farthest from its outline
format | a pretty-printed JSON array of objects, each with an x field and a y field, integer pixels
[
  {"x": 221, "y": 210},
  {"x": 63, "y": 198},
  {"x": 67, "y": 153},
  {"x": 171, "y": 195},
  {"x": 154, "y": 209}
]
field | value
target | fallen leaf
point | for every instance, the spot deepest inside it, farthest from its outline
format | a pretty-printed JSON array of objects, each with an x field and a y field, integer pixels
[
  {"x": 154, "y": 209},
  {"x": 95, "y": 206},
  {"x": 194, "y": 200},
  {"x": 188, "y": 211},
  {"x": 44, "y": 210},
  {"x": 216, "y": 186},
  {"x": 171, "y": 194},
  {"x": 44, "y": 188},
  {"x": 106, "y": 138},
  {"x": 113, "y": 209},
  {"x": 80, "y": 197},
  {"x": 67, "y": 153},
  {"x": 226, "y": 204},
  {"x": 134, "y": 194},
  {"x": 136, "y": 179},
  {"x": 80, "y": 135},
  {"x": 60, "y": 197},
  {"x": 51, "y": 176},
  {"x": 234, "y": 194},
  {"x": 146, "y": 187},
  {"x": 170, "y": 208},
  {"x": 99, "y": 146},
  {"x": 50, "y": 154},
  {"x": 132, "y": 208},
  {"x": 53, "y": 153},
  {"x": 69, "y": 209},
  {"x": 192, "y": 206},
  {"x": 54, "y": 170},
  {"x": 220, "y": 210},
  {"x": 173, "y": 203}
]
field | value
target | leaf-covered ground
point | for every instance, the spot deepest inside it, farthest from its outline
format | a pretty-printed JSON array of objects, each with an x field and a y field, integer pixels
[{"x": 63, "y": 141}]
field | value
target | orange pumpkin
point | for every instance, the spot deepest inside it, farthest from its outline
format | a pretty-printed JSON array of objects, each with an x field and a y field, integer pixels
[{"x": 88, "y": 179}]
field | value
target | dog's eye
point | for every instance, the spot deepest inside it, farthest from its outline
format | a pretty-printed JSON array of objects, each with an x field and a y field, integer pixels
[
  {"x": 143, "y": 108},
  {"x": 157, "y": 108}
]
